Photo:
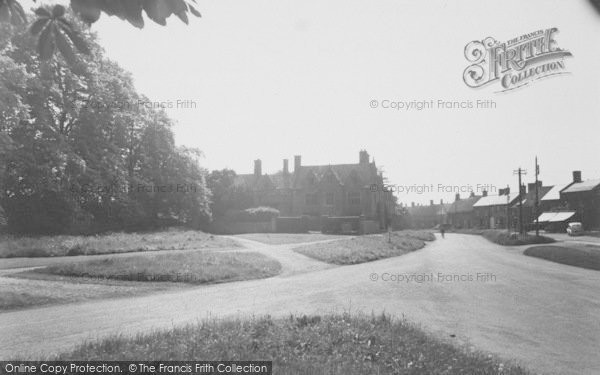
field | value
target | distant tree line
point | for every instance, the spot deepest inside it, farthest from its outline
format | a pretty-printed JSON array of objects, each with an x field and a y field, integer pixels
[{"x": 80, "y": 152}]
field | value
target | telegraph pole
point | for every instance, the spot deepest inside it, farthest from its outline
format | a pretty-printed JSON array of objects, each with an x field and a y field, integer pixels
[
  {"x": 537, "y": 199},
  {"x": 520, "y": 172},
  {"x": 507, "y": 192}
]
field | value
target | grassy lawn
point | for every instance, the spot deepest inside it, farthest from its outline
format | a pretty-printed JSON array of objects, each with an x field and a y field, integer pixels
[
  {"x": 367, "y": 248},
  {"x": 502, "y": 237},
  {"x": 196, "y": 267},
  {"x": 335, "y": 344},
  {"x": 109, "y": 243},
  {"x": 35, "y": 290},
  {"x": 288, "y": 238},
  {"x": 130, "y": 276},
  {"x": 579, "y": 256}
]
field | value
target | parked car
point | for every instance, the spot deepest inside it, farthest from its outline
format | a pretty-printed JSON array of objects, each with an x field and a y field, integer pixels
[{"x": 575, "y": 229}]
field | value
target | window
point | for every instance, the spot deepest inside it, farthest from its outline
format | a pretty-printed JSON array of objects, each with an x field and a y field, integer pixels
[
  {"x": 329, "y": 199},
  {"x": 354, "y": 198},
  {"x": 312, "y": 199}
]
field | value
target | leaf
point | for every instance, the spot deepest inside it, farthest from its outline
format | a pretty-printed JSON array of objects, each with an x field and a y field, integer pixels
[
  {"x": 43, "y": 12},
  {"x": 38, "y": 25},
  {"x": 18, "y": 15},
  {"x": 133, "y": 12},
  {"x": 183, "y": 16},
  {"x": 45, "y": 46},
  {"x": 58, "y": 11},
  {"x": 194, "y": 11},
  {"x": 87, "y": 10},
  {"x": 4, "y": 13},
  {"x": 76, "y": 39},
  {"x": 157, "y": 10},
  {"x": 63, "y": 45}
]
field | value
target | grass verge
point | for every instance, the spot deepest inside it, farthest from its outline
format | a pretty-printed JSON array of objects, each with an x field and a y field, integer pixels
[
  {"x": 573, "y": 256},
  {"x": 366, "y": 248},
  {"x": 287, "y": 238},
  {"x": 48, "y": 246},
  {"x": 189, "y": 267},
  {"x": 334, "y": 344},
  {"x": 502, "y": 237}
]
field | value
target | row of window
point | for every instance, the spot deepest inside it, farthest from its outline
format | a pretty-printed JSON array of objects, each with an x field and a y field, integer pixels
[{"x": 312, "y": 199}]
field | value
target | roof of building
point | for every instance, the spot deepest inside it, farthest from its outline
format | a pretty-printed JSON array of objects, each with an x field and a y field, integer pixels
[
  {"x": 343, "y": 174},
  {"x": 529, "y": 197},
  {"x": 493, "y": 200},
  {"x": 463, "y": 205},
  {"x": 582, "y": 186},
  {"x": 554, "y": 193}
]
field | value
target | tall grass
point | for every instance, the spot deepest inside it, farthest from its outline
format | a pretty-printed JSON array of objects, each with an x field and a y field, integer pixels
[
  {"x": 367, "y": 248},
  {"x": 333, "y": 344},
  {"x": 48, "y": 246},
  {"x": 188, "y": 267}
]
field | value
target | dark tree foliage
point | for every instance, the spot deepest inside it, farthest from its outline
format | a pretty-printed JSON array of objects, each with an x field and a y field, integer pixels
[
  {"x": 54, "y": 32},
  {"x": 80, "y": 152}
]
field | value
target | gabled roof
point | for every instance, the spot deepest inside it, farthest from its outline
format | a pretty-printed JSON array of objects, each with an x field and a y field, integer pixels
[
  {"x": 463, "y": 205},
  {"x": 578, "y": 187},
  {"x": 494, "y": 200},
  {"x": 346, "y": 173},
  {"x": 554, "y": 193},
  {"x": 529, "y": 198}
]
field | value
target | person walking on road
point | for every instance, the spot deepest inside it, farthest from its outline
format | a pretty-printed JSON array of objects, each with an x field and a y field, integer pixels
[{"x": 443, "y": 230}]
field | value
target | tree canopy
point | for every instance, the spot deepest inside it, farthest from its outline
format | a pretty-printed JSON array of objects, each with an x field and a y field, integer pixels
[
  {"x": 55, "y": 32},
  {"x": 80, "y": 152}
]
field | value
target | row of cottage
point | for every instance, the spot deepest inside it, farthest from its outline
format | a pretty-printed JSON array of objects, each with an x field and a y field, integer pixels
[{"x": 577, "y": 200}]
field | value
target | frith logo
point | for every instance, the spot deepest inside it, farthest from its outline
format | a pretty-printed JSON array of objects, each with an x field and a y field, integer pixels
[{"x": 514, "y": 63}]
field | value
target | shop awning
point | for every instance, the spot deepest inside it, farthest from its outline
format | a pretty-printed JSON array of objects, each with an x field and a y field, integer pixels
[{"x": 555, "y": 217}]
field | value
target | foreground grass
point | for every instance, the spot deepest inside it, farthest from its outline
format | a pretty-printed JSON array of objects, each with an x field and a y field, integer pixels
[
  {"x": 288, "y": 238},
  {"x": 336, "y": 344},
  {"x": 30, "y": 290},
  {"x": 195, "y": 267},
  {"x": 48, "y": 246},
  {"x": 502, "y": 237},
  {"x": 573, "y": 256},
  {"x": 367, "y": 248}
]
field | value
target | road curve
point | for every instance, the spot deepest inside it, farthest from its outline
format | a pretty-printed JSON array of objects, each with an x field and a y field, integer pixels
[{"x": 542, "y": 314}]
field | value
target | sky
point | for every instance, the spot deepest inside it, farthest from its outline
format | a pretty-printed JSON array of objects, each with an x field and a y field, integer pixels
[{"x": 274, "y": 79}]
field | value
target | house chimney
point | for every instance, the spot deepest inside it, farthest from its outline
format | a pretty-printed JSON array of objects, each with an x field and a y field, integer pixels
[
  {"x": 523, "y": 190},
  {"x": 257, "y": 168},
  {"x": 297, "y": 163},
  {"x": 363, "y": 157},
  {"x": 484, "y": 193},
  {"x": 457, "y": 197},
  {"x": 531, "y": 187},
  {"x": 576, "y": 176},
  {"x": 472, "y": 194},
  {"x": 286, "y": 169}
]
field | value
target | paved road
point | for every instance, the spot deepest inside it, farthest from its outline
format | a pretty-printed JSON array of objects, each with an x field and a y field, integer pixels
[{"x": 543, "y": 314}]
